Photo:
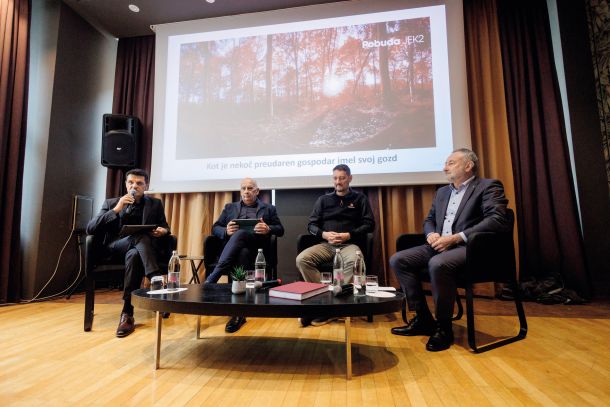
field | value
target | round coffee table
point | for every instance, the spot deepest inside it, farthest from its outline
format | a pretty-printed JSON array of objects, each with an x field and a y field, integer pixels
[{"x": 217, "y": 299}]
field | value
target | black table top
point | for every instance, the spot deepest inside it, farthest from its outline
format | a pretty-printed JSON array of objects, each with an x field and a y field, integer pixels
[{"x": 217, "y": 299}]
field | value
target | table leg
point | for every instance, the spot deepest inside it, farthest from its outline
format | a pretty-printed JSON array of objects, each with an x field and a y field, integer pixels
[
  {"x": 195, "y": 272},
  {"x": 348, "y": 348},
  {"x": 198, "y": 327},
  {"x": 158, "y": 340}
]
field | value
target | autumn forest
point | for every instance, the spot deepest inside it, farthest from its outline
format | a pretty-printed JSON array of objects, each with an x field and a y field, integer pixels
[{"x": 334, "y": 89}]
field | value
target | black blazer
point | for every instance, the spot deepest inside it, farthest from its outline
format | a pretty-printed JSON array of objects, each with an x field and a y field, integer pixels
[
  {"x": 263, "y": 210},
  {"x": 483, "y": 209},
  {"x": 107, "y": 222}
]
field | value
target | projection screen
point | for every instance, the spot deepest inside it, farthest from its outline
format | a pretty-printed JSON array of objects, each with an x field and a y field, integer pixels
[{"x": 284, "y": 96}]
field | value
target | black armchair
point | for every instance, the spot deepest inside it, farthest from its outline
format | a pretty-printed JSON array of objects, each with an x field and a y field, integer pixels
[
  {"x": 213, "y": 245},
  {"x": 98, "y": 267},
  {"x": 307, "y": 240},
  {"x": 490, "y": 257}
]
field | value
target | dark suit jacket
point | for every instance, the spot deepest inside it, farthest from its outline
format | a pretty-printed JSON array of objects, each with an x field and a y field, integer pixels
[
  {"x": 263, "y": 210},
  {"x": 483, "y": 209},
  {"x": 108, "y": 223}
]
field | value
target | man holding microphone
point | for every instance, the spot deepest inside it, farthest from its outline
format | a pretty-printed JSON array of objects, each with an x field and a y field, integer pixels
[{"x": 141, "y": 251}]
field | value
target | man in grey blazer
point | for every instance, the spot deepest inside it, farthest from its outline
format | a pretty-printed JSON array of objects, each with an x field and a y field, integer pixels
[
  {"x": 142, "y": 251},
  {"x": 468, "y": 204}
]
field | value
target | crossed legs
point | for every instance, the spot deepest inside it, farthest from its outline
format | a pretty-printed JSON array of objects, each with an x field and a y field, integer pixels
[{"x": 140, "y": 254}]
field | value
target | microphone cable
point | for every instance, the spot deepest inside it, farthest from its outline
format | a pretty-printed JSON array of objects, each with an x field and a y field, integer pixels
[{"x": 80, "y": 269}]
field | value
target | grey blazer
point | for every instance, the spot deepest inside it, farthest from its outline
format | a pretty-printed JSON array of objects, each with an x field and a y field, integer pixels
[{"x": 483, "y": 209}]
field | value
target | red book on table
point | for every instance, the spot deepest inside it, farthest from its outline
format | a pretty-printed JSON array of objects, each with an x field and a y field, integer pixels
[{"x": 298, "y": 291}]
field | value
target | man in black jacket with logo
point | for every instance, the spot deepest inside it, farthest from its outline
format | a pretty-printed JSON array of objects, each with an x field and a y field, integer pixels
[{"x": 342, "y": 218}]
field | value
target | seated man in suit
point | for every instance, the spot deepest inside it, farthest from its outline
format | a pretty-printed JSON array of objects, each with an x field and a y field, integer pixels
[
  {"x": 141, "y": 251},
  {"x": 342, "y": 218},
  {"x": 468, "y": 204},
  {"x": 241, "y": 246}
]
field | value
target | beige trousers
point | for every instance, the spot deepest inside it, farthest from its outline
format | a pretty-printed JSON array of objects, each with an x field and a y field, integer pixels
[{"x": 309, "y": 259}]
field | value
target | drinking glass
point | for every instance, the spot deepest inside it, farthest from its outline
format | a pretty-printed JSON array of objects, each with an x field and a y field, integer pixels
[
  {"x": 250, "y": 279},
  {"x": 371, "y": 284},
  {"x": 326, "y": 277},
  {"x": 173, "y": 281},
  {"x": 156, "y": 283}
]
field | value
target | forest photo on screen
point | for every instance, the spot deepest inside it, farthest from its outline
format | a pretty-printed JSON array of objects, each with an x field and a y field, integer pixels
[{"x": 355, "y": 88}]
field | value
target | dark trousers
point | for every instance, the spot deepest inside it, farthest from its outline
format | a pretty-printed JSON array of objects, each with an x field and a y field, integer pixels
[
  {"x": 443, "y": 268},
  {"x": 140, "y": 254},
  {"x": 239, "y": 250}
]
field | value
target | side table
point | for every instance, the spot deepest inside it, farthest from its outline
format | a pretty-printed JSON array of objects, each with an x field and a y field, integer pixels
[{"x": 194, "y": 267}]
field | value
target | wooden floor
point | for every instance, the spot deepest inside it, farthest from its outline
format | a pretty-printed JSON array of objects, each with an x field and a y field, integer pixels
[{"x": 47, "y": 360}]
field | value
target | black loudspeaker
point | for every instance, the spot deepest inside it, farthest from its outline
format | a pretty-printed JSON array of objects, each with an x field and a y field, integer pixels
[{"x": 120, "y": 141}]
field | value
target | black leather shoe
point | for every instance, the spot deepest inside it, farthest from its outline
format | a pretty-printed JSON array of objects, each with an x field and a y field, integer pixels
[
  {"x": 416, "y": 326},
  {"x": 441, "y": 340},
  {"x": 126, "y": 325},
  {"x": 304, "y": 321},
  {"x": 165, "y": 315},
  {"x": 234, "y": 324}
]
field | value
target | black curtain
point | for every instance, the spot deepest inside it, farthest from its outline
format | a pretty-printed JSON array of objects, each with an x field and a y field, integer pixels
[
  {"x": 14, "y": 39},
  {"x": 134, "y": 86},
  {"x": 549, "y": 230}
]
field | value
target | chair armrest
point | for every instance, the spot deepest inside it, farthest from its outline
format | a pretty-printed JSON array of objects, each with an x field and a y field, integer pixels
[
  {"x": 212, "y": 248},
  {"x": 89, "y": 253},
  {"x": 173, "y": 242},
  {"x": 305, "y": 241},
  {"x": 271, "y": 257},
  {"x": 409, "y": 240},
  {"x": 490, "y": 256}
]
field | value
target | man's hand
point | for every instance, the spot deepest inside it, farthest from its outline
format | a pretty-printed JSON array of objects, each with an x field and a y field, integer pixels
[
  {"x": 335, "y": 238},
  {"x": 232, "y": 227},
  {"x": 432, "y": 237},
  {"x": 159, "y": 231},
  {"x": 261, "y": 228},
  {"x": 125, "y": 200},
  {"x": 443, "y": 243}
]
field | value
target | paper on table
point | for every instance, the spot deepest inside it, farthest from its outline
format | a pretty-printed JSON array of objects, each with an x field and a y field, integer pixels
[
  {"x": 167, "y": 291},
  {"x": 381, "y": 294},
  {"x": 386, "y": 289}
]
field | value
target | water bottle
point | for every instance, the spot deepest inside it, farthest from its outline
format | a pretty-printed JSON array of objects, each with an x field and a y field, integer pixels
[
  {"x": 337, "y": 270},
  {"x": 359, "y": 275},
  {"x": 259, "y": 269},
  {"x": 173, "y": 272}
]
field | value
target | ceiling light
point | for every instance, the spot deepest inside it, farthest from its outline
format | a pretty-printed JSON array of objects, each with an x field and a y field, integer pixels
[
  {"x": 210, "y": 1},
  {"x": 134, "y": 8}
]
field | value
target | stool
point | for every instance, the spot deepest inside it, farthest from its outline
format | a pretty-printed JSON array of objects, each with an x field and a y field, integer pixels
[{"x": 194, "y": 267}]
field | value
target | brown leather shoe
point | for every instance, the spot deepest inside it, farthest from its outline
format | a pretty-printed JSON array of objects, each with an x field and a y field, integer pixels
[{"x": 126, "y": 325}]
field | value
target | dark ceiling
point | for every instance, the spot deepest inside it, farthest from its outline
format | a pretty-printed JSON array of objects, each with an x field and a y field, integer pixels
[{"x": 115, "y": 18}]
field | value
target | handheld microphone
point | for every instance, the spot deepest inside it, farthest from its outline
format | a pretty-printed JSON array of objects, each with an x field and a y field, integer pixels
[
  {"x": 268, "y": 284},
  {"x": 130, "y": 206}
]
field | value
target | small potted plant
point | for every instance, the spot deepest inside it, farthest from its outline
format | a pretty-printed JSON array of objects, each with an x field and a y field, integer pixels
[{"x": 239, "y": 280}]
